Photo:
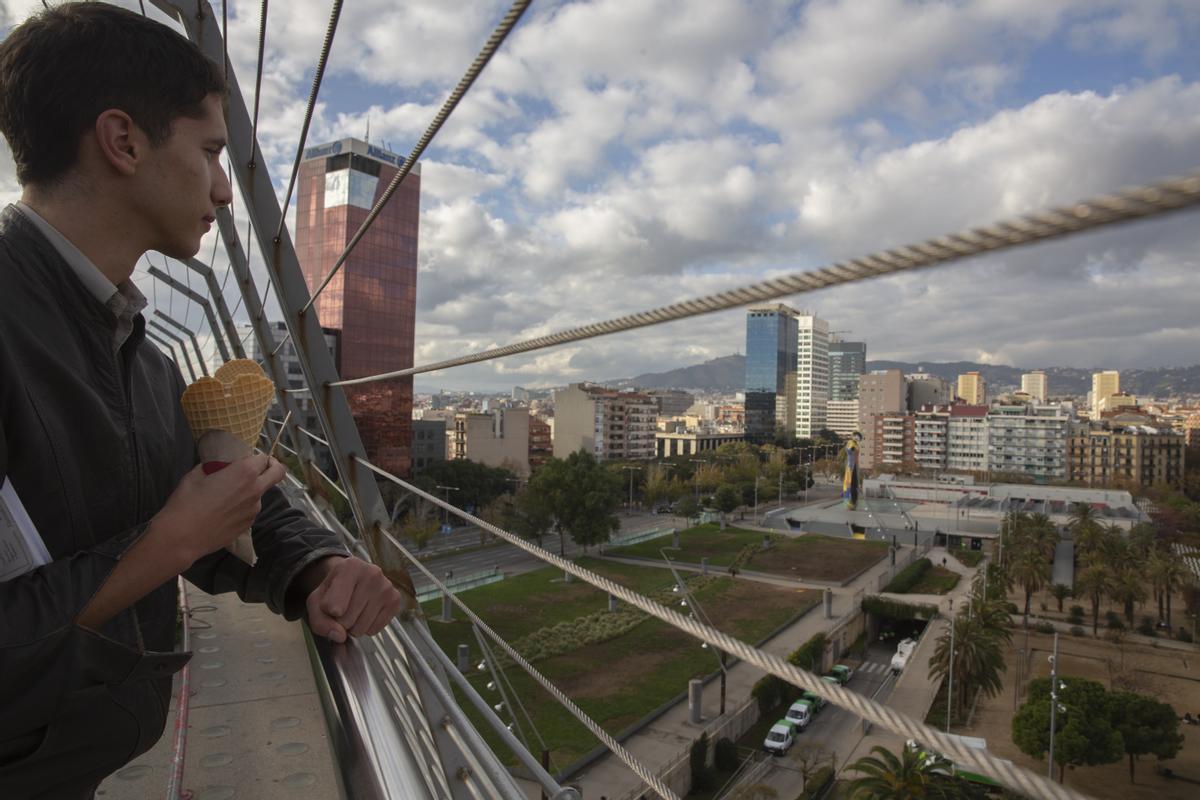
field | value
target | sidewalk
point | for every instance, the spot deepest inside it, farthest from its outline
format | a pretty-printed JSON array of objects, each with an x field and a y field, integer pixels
[{"x": 666, "y": 738}]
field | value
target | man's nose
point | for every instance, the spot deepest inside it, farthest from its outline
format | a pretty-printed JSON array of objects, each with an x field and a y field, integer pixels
[{"x": 222, "y": 189}]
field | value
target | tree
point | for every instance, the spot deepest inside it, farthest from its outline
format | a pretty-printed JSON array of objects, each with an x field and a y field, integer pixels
[
  {"x": 1061, "y": 592},
  {"x": 688, "y": 508},
  {"x": 581, "y": 496},
  {"x": 420, "y": 521},
  {"x": 477, "y": 484},
  {"x": 1147, "y": 727},
  {"x": 910, "y": 776},
  {"x": 807, "y": 759},
  {"x": 1086, "y": 532},
  {"x": 1128, "y": 585},
  {"x": 1029, "y": 568},
  {"x": 726, "y": 500},
  {"x": 1084, "y": 734},
  {"x": 1167, "y": 575},
  {"x": 978, "y": 659},
  {"x": 1093, "y": 582},
  {"x": 529, "y": 515}
]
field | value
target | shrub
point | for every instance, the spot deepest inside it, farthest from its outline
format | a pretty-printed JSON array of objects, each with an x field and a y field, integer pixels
[
  {"x": 697, "y": 759},
  {"x": 1146, "y": 627},
  {"x": 817, "y": 783},
  {"x": 1077, "y": 611},
  {"x": 769, "y": 692},
  {"x": 1183, "y": 635},
  {"x": 1012, "y": 608},
  {"x": 1077, "y": 630},
  {"x": 1112, "y": 621},
  {"x": 1044, "y": 627},
  {"x": 808, "y": 655},
  {"x": 908, "y": 577},
  {"x": 725, "y": 755},
  {"x": 897, "y": 609},
  {"x": 1075, "y": 619}
]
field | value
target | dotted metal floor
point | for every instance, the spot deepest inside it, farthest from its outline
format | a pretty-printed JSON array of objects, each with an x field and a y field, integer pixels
[{"x": 255, "y": 727}]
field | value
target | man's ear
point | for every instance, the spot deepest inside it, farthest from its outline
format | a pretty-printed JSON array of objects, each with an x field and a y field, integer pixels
[{"x": 120, "y": 141}]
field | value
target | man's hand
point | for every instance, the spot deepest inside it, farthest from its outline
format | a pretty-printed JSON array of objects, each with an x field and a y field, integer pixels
[{"x": 351, "y": 597}]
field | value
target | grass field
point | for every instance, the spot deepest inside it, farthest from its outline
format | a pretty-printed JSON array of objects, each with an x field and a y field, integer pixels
[
  {"x": 936, "y": 580},
  {"x": 818, "y": 558},
  {"x": 720, "y": 547},
  {"x": 617, "y": 681}
]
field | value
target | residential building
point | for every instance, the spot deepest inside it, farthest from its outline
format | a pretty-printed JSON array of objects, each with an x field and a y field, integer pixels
[
  {"x": 1029, "y": 440},
  {"x": 1112, "y": 452},
  {"x": 1034, "y": 384},
  {"x": 931, "y": 436},
  {"x": 841, "y": 417},
  {"x": 928, "y": 390},
  {"x": 1114, "y": 403},
  {"x": 895, "y": 438},
  {"x": 812, "y": 374},
  {"x": 672, "y": 402},
  {"x": 771, "y": 339},
  {"x": 372, "y": 299},
  {"x": 967, "y": 438},
  {"x": 691, "y": 443},
  {"x": 428, "y": 443},
  {"x": 880, "y": 392},
  {"x": 847, "y": 360},
  {"x": 520, "y": 395},
  {"x": 499, "y": 438},
  {"x": 972, "y": 389},
  {"x": 606, "y": 423},
  {"x": 541, "y": 441},
  {"x": 1104, "y": 385}
]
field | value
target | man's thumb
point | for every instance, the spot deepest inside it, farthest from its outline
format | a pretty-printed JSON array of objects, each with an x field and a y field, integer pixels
[{"x": 322, "y": 624}]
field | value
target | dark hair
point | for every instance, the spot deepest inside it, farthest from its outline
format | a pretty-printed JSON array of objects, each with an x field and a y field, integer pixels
[{"x": 63, "y": 67}]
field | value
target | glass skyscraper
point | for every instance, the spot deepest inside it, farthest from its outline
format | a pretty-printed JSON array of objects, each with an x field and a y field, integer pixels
[
  {"x": 847, "y": 360},
  {"x": 372, "y": 300},
  {"x": 771, "y": 337}
]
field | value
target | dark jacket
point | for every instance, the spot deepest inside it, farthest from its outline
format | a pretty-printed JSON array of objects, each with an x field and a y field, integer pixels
[{"x": 94, "y": 442}]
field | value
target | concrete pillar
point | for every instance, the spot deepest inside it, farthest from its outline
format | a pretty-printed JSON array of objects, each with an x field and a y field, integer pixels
[
  {"x": 766, "y": 542},
  {"x": 612, "y": 603},
  {"x": 675, "y": 538},
  {"x": 892, "y": 550},
  {"x": 464, "y": 658},
  {"x": 696, "y": 700},
  {"x": 704, "y": 566},
  {"x": 447, "y": 612},
  {"x": 828, "y": 603},
  {"x": 566, "y": 577}
]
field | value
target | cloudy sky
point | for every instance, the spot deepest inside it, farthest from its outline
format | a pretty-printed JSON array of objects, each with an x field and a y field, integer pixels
[{"x": 619, "y": 155}]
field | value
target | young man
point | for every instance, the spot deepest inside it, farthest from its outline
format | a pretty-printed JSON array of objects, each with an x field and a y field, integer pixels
[{"x": 116, "y": 128}]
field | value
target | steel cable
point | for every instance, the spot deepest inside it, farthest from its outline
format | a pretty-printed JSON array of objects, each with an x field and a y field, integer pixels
[
  {"x": 1128, "y": 205},
  {"x": 1012, "y": 776},
  {"x": 485, "y": 55}
]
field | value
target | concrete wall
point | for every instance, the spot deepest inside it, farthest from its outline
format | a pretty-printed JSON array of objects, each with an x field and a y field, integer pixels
[{"x": 574, "y": 422}]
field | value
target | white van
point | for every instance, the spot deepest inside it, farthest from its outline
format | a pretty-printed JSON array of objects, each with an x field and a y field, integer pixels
[
  {"x": 800, "y": 714},
  {"x": 900, "y": 657},
  {"x": 781, "y": 737}
]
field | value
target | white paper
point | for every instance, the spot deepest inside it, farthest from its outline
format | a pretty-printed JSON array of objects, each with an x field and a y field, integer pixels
[{"x": 21, "y": 547}]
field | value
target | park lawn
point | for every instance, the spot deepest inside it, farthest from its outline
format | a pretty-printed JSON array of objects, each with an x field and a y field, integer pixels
[
  {"x": 720, "y": 547},
  {"x": 936, "y": 580},
  {"x": 818, "y": 558},
  {"x": 520, "y": 605},
  {"x": 618, "y": 681},
  {"x": 970, "y": 558}
]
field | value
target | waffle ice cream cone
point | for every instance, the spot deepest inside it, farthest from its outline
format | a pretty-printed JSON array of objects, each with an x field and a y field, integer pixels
[{"x": 225, "y": 413}]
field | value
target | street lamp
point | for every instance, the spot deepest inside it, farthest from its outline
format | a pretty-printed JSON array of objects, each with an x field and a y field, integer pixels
[
  {"x": 631, "y": 470},
  {"x": 1053, "y": 705},
  {"x": 950, "y": 681},
  {"x": 690, "y": 602},
  {"x": 446, "y": 490}
]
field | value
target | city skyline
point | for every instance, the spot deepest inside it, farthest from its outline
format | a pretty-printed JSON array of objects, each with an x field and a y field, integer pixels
[{"x": 673, "y": 154}]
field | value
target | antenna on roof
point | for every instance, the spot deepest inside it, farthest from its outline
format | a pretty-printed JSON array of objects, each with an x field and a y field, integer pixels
[{"x": 368, "y": 127}]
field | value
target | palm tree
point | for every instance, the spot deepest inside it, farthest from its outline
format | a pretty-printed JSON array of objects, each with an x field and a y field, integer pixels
[
  {"x": 978, "y": 658},
  {"x": 1044, "y": 534},
  {"x": 1031, "y": 570},
  {"x": 1168, "y": 575},
  {"x": 1093, "y": 581},
  {"x": 912, "y": 776},
  {"x": 1128, "y": 586},
  {"x": 1061, "y": 592},
  {"x": 1086, "y": 532}
]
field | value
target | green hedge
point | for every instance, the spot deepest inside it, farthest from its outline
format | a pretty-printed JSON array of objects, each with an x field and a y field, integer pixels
[
  {"x": 808, "y": 655},
  {"x": 908, "y": 577},
  {"x": 817, "y": 783},
  {"x": 897, "y": 609}
]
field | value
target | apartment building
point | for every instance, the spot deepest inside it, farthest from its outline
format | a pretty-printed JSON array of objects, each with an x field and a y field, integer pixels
[
  {"x": 894, "y": 440},
  {"x": 967, "y": 438},
  {"x": 931, "y": 434},
  {"x": 879, "y": 392},
  {"x": 1102, "y": 453},
  {"x": 541, "y": 441},
  {"x": 499, "y": 438},
  {"x": 1104, "y": 385},
  {"x": 972, "y": 388},
  {"x": 1028, "y": 440},
  {"x": 1034, "y": 384},
  {"x": 841, "y": 417},
  {"x": 606, "y": 423}
]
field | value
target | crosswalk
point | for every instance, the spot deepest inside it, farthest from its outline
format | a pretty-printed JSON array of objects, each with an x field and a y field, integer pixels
[{"x": 874, "y": 668}]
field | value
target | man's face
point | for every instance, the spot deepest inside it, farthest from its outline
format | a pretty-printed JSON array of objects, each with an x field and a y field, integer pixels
[{"x": 183, "y": 183}]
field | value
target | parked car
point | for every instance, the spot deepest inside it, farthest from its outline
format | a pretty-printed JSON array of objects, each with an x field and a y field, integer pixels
[
  {"x": 841, "y": 673},
  {"x": 800, "y": 714},
  {"x": 903, "y": 651},
  {"x": 780, "y": 738},
  {"x": 814, "y": 700}
]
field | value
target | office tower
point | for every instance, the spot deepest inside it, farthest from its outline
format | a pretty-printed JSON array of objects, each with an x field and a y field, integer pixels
[
  {"x": 771, "y": 339},
  {"x": 880, "y": 392},
  {"x": 812, "y": 374},
  {"x": 672, "y": 402},
  {"x": 1034, "y": 385},
  {"x": 972, "y": 388},
  {"x": 847, "y": 360},
  {"x": 1104, "y": 385},
  {"x": 841, "y": 417},
  {"x": 606, "y": 423},
  {"x": 372, "y": 299}
]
